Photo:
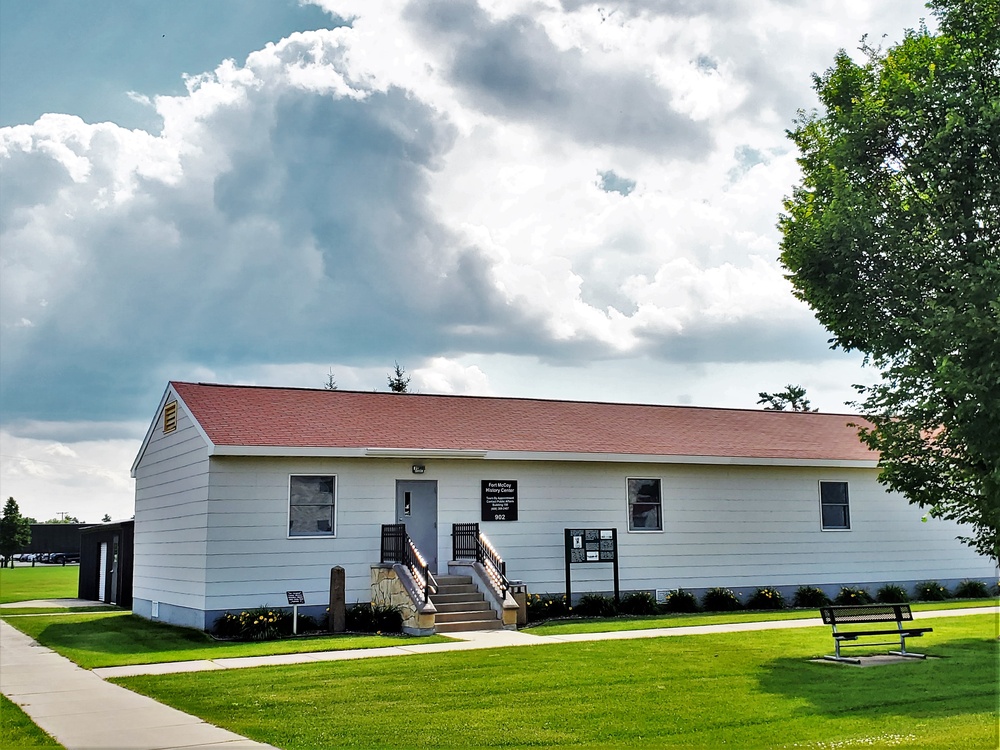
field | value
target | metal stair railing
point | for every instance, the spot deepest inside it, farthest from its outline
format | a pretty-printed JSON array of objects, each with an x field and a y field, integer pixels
[
  {"x": 469, "y": 543},
  {"x": 397, "y": 547}
]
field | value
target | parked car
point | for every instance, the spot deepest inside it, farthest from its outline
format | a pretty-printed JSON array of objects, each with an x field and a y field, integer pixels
[{"x": 61, "y": 558}]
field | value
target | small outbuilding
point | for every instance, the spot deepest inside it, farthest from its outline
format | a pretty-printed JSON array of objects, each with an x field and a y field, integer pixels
[{"x": 106, "y": 560}]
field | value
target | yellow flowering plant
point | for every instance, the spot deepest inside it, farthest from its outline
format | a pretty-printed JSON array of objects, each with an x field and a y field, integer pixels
[
  {"x": 766, "y": 597},
  {"x": 260, "y": 624}
]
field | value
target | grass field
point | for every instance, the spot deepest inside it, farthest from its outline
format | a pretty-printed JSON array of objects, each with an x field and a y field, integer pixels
[
  {"x": 110, "y": 639},
  {"x": 41, "y": 582},
  {"x": 748, "y": 690},
  {"x": 18, "y": 731}
]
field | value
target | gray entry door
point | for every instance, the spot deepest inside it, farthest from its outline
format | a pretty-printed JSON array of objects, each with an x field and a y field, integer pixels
[{"x": 417, "y": 507}]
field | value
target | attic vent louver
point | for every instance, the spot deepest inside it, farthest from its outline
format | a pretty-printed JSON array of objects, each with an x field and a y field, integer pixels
[{"x": 170, "y": 417}]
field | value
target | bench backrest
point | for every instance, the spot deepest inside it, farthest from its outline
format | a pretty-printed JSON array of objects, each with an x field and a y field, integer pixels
[{"x": 862, "y": 613}]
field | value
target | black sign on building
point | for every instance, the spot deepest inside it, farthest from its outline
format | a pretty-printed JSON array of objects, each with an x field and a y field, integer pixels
[{"x": 499, "y": 500}]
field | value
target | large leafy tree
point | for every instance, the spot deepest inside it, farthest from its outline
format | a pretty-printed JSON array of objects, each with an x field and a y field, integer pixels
[
  {"x": 15, "y": 530},
  {"x": 893, "y": 238}
]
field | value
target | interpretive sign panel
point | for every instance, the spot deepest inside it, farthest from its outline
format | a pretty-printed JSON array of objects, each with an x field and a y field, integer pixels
[
  {"x": 591, "y": 546},
  {"x": 295, "y": 597},
  {"x": 499, "y": 500}
]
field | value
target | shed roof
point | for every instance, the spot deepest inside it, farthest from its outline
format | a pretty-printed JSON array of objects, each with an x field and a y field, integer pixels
[{"x": 294, "y": 418}]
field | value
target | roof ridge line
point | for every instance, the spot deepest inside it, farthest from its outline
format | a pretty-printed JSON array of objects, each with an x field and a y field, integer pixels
[{"x": 515, "y": 398}]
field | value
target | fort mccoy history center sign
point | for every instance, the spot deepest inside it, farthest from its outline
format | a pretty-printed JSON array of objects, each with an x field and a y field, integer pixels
[{"x": 499, "y": 500}]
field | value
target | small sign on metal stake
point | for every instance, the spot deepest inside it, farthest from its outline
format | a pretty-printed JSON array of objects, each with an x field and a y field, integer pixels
[{"x": 295, "y": 598}]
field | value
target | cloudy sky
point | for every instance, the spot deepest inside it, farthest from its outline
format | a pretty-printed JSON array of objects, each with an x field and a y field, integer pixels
[{"x": 514, "y": 198}]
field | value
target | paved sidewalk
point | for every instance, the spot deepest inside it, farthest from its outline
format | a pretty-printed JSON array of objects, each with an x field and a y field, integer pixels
[
  {"x": 81, "y": 710},
  {"x": 55, "y": 604}
]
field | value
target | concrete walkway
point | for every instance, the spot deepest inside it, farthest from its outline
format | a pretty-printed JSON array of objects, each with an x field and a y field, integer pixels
[
  {"x": 81, "y": 710},
  {"x": 56, "y": 604}
]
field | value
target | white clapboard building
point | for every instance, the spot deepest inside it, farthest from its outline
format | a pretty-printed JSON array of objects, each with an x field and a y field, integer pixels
[{"x": 244, "y": 493}]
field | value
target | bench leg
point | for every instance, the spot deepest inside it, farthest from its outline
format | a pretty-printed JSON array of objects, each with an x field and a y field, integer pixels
[
  {"x": 908, "y": 654},
  {"x": 838, "y": 657},
  {"x": 845, "y": 659},
  {"x": 903, "y": 652}
]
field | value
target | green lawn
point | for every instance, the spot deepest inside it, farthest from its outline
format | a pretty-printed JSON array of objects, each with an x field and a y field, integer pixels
[
  {"x": 18, "y": 731},
  {"x": 41, "y": 582},
  {"x": 747, "y": 690},
  {"x": 613, "y": 624},
  {"x": 109, "y": 639}
]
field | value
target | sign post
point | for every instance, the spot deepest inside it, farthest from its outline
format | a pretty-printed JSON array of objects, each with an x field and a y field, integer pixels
[
  {"x": 585, "y": 546},
  {"x": 295, "y": 598}
]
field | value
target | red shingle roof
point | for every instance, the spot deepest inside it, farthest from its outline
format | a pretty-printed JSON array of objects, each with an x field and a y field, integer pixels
[{"x": 248, "y": 416}]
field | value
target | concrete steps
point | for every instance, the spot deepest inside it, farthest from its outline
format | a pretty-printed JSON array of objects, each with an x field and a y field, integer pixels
[{"x": 461, "y": 606}]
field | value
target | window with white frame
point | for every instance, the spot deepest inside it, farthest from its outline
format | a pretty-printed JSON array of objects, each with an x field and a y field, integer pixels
[
  {"x": 312, "y": 504},
  {"x": 644, "y": 506},
  {"x": 834, "y": 506}
]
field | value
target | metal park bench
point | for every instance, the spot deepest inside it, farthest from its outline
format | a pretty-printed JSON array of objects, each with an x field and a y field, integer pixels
[{"x": 871, "y": 614}]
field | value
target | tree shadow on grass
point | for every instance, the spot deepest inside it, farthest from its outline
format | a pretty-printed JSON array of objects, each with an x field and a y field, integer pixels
[
  {"x": 962, "y": 678},
  {"x": 121, "y": 634}
]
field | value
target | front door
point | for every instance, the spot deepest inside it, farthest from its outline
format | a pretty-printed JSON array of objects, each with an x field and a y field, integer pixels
[
  {"x": 113, "y": 594},
  {"x": 102, "y": 574},
  {"x": 417, "y": 507}
]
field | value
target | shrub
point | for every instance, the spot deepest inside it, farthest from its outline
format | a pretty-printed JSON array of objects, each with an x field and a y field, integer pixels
[
  {"x": 930, "y": 591},
  {"x": 852, "y": 595},
  {"x": 766, "y": 598},
  {"x": 307, "y": 624},
  {"x": 891, "y": 593},
  {"x": 260, "y": 624},
  {"x": 680, "y": 600},
  {"x": 720, "y": 600},
  {"x": 972, "y": 590},
  {"x": 227, "y": 626},
  {"x": 546, "y": 606},
  {"x": 638, "y": 603},
  {"x": 809, "y": 597},
  {"x": 595, "y": 605},
  {"x": 374, "y": 618}
]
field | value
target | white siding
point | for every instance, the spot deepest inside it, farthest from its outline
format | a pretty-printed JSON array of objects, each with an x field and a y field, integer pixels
[
  {"x": 723, "y": 525},
  {"x": 171, "y": 503},
  {"x": 252, "y": 561}
]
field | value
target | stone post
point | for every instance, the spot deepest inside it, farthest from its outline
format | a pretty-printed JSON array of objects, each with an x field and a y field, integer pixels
[{"x": 337, "y": 620}]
